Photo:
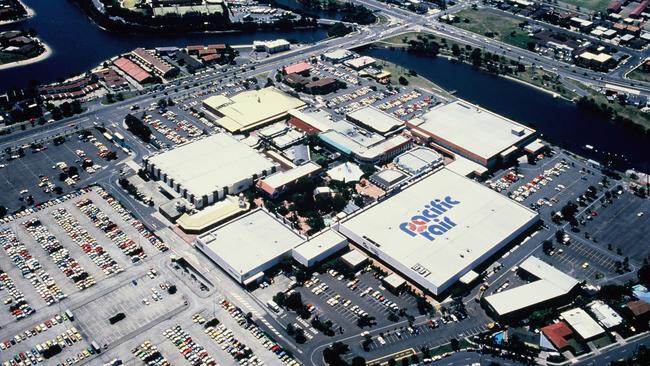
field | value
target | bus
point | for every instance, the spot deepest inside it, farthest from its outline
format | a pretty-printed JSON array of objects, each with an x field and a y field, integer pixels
[
  {"x": 273, "y": 306},
  {"x": 69, "y": 314},
  {"x": 118, "y": 136},
  {"x": 108, "y": 136}
]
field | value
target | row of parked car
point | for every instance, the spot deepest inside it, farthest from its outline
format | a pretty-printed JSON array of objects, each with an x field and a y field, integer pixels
[
  {"x": 46, "y": 350},
  {"x": 40, "y": 206},
  {"x": 31, "y": 268},
  {"x": 149, "y": 354},
  {"x": 193, "y": 352},
  {"x": 225, "y": 338},
  {"x": 18, "y": 306},
  {"x": 255, "y": 330},
  {"x": 128, "y": 217},
  {"x": 37, "y": 329},
  {"x": 60, "y": 255},
  {"x": 86, "y": 242},
  {"x": 128, "y": 246}
]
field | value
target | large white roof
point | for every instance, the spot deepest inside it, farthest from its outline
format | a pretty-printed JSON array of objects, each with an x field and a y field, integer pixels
[
  {"x": 208, "y": 164},
  {"x": 320, "y": 244},
  {"x": 582, "y": 323},
  {"x": 551, "y": 283},
  {"x": 483, "y": 220},
  {"x": 251, "y": 241},
  {"x": 375, "y": 119},
  {"x": 472, "y": 128}
]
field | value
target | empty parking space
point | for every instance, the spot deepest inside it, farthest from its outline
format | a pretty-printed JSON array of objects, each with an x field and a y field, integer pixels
[{"x": 143, "y": 305}]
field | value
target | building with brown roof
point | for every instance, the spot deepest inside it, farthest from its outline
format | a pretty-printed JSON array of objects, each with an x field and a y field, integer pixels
[
  {"x": 322, "y": 86},
  {"x": 558, "y": 334}
]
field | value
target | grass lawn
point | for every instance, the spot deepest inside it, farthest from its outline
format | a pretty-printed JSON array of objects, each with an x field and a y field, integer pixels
[
  {"x": 578, "y": 347},
  {"x": 627, "y": 111},
  {"x": 596, "y": 5},
  {"x": 638, "y": 74},
  {"x": 545, "y": 80},
  {"x": 499, "y": 27},
  {"x": 603, "y": 341}
]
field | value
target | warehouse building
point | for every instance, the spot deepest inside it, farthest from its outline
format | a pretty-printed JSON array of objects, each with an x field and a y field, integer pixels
[
  {"x": 249, "y": 245},
  {"x": 439, "y": 229},
  {"x": 375, "y": 120},
  {"x": 552, "y": 287},
  {"x": 251, "y": 109},
  {"x": 319, "y": 247},
  {"x": 206, "y": 170},
  {"x": 472, "y": 132}
]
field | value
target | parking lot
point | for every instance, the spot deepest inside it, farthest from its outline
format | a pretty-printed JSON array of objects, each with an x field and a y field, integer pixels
[
  {"x": 38, "y": 172},
  {"x": 623, "y": 224},
  {"x": 144, "y": 301}
]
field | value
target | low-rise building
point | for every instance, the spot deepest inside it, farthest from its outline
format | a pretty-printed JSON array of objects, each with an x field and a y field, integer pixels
[
  {"x": 154, "y": 63},
  {"x": 583, "y": 324},
  {"x": 278, "y": 183},
  {"x": 271, "y": 47},
  {"x": 319, "y": 247}
]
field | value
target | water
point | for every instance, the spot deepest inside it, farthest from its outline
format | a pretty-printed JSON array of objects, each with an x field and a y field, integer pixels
[
  {"x": 79, "y": 45},
  {"x": 559, "y": 121}
]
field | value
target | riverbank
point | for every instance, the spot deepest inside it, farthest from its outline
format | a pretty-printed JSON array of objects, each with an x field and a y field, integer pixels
[
  {"x": 42, "y": 56},
  {"x": 537, "y": 78},
  {"x": 540, "y": 79}
]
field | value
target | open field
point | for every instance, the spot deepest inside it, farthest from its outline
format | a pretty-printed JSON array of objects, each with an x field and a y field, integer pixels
[
  {"x": 638, "y": 74},
  {"x": 494, "y": 26}
]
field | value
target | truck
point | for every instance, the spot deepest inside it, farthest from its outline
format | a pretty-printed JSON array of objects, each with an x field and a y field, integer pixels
[
  {"x": 96, "y": 347},
  {"x": 69, "y": 314}
]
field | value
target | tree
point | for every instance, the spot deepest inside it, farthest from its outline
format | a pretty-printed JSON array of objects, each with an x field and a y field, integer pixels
[
  {"x": 291, "y": 330},
  {"x": 455, "y": 345},
  {"x": 455, "y": 50},
  {"x": 644, "y": 275},
  {"x": 402, "y": 80},
  {"x": 3, "y": 211},
  {"x": 300, "y": 336},
  {"x": 358, "y": 361},
  {"x": 547, "y": 246}
]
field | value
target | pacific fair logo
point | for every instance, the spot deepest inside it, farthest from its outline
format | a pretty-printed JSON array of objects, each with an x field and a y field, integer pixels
[{"x": 432, "y": 222}]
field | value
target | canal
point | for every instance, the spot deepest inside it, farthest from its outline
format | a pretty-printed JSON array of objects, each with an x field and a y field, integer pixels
[
  {"x": 559, "y": 121},
  {"x": 79, "y": 45}
]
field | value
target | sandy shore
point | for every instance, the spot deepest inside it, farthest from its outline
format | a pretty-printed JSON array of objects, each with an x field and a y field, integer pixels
[
  {"x": 30, "y": 14},
  {"x": 47, "y": 53}
]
